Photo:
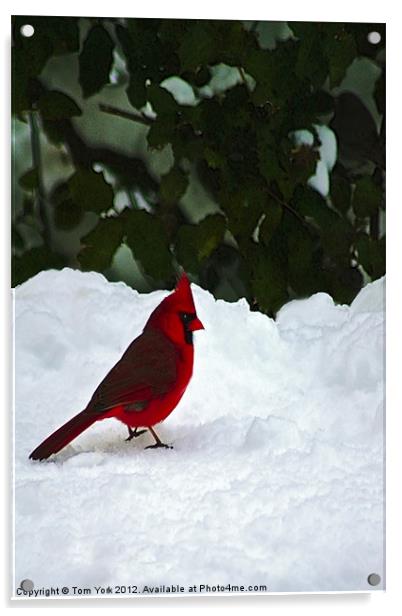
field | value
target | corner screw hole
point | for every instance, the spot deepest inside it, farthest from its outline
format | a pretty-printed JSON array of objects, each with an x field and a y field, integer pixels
[
  {"x": 27, "y": 30},
  {"x": 374, "y": 38},
  {"x": 374, "y": 579},
  {"x": 27, "y": 585}
]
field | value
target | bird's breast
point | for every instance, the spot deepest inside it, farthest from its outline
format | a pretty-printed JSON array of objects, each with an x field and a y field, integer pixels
[{"x": 162, "y": 403}]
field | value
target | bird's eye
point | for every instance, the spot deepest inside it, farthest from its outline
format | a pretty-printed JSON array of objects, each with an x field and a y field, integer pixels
[{"x": 187, "y": 316}]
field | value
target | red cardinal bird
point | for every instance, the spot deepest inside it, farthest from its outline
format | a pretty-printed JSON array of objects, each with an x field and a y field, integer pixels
[{"x": 148, "y": 381}]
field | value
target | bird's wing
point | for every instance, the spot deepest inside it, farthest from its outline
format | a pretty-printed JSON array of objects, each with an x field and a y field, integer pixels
[{"x": 147, "y": 369}]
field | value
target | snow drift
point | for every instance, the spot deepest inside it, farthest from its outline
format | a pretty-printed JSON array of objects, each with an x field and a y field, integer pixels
[{"x": 276, "y": 476}]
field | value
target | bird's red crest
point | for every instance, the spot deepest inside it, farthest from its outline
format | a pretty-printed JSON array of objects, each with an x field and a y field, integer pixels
[
  {"x": 183, "y": 293},
  {"x": 181, "y": 300},
  {"x": 183, "y": 283}
]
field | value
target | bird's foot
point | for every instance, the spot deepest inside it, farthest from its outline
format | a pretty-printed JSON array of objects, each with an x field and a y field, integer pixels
[
  {"x": 134, "y": 434},
  {"x": 158, "y": 442}
]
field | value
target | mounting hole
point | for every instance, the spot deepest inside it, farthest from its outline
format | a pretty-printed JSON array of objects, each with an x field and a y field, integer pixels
[
  {"x": 374, "y": 579},
  {"x": 27, "y": 585},
  {"x": 27, "y": 30},
  {"x": 374, "y": 37}
]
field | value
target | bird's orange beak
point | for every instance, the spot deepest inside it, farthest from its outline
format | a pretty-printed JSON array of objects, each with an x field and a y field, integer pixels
[{"x": 195, "y": 324}]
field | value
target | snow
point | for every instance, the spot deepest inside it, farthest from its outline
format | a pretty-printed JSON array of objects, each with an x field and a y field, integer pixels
[{"x": 276, "y": 476}]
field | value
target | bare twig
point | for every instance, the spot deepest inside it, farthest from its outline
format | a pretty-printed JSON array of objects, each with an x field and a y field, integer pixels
[
  {"x": 289, "y": 208},
  {"x": 37, "y": 165},
  {"x": 243, "y": 78},
  {"x": 141, "y": 118}
]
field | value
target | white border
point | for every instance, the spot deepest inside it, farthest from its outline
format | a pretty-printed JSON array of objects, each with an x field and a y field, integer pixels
[
  {"x": 341, "y": 10},
  {"x": 309, "y": 10}
]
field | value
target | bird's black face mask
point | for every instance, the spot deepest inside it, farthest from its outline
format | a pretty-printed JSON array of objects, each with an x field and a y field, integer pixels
[{"x": 186, "y": 318}]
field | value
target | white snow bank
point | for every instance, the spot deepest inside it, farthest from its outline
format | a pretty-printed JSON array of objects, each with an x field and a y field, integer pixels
[{"x": 276, "y": 476}]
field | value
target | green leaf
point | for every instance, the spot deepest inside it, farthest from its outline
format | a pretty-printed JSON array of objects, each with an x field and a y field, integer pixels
[
  {"x": 271, "y": 221},
  {"x": 33, "y": 261},
  {"x": 320, "y": 102},
  {"x": 341, "y": 51},
  {"x": 194, "y": 243},
  {"x": 29, "y": 180},
  {"x": 367, "y": 197},
  {"x": 67, "y": 215},
  {"x": 379, "y": 93},
  {"x": 213, "y": 158},
  {"x": 136, "y": 90},
  {"x": 90, "y": 191},
  {"x": 173, "y": 185},
  {"x": 27, "y": 62},
  {"x": 341, "y": 193},
  {"x": 243, "y": 210},
  {"x": 197, "y": 46},
  {"x": 234, "y": 42},
  {"x": 161, "y": 132},
  {"x": 310, "y": 203},
  {"x": 55, "y": 105},
  {"x": 302, "y": 274},
  {"x": 337, "y": 238},
  {"x": 343, "y": 283},
  {"x": 269, "y": 166},
  {"x": 356, "y": 131},
  {"x": 303, "y": 163},
  {"x": 99, "y": 245},
  {"x": 185, "y": 142},
  {"x": 303, "y": 29},
  {"x": 31, "y": 54},
  {"x": 162, "y": 101},
  {"x": 267, "y": 277},
  {"x": 312, "y": 63},
  {"x": 335, "y": 231},
  {"x": 260, "y": 65},
  {"x": 64, "y": 33},
  {"x": 54, "y": 131},
  {"x": 146, "y": 50},
  {"x": 148, "y": 241},
  {"x": 371, "y": 255},
  {"x": 95, "y": 60},
  {"x": 274, "y": 72}
]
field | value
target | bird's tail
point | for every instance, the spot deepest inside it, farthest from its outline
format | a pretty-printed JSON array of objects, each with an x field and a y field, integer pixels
[{"x": 63, "y": 435}]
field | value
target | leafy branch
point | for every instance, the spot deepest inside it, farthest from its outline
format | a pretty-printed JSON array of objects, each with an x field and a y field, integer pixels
[{"x": 264, "y": 232}]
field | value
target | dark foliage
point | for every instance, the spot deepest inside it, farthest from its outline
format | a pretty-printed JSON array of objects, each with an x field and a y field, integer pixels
[{"x": 238, "y": 142}]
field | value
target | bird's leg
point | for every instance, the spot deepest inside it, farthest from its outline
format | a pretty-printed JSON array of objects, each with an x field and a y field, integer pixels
[
  {"x": 158, "y": 441},
  {"x": 133, "y": 433}
]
